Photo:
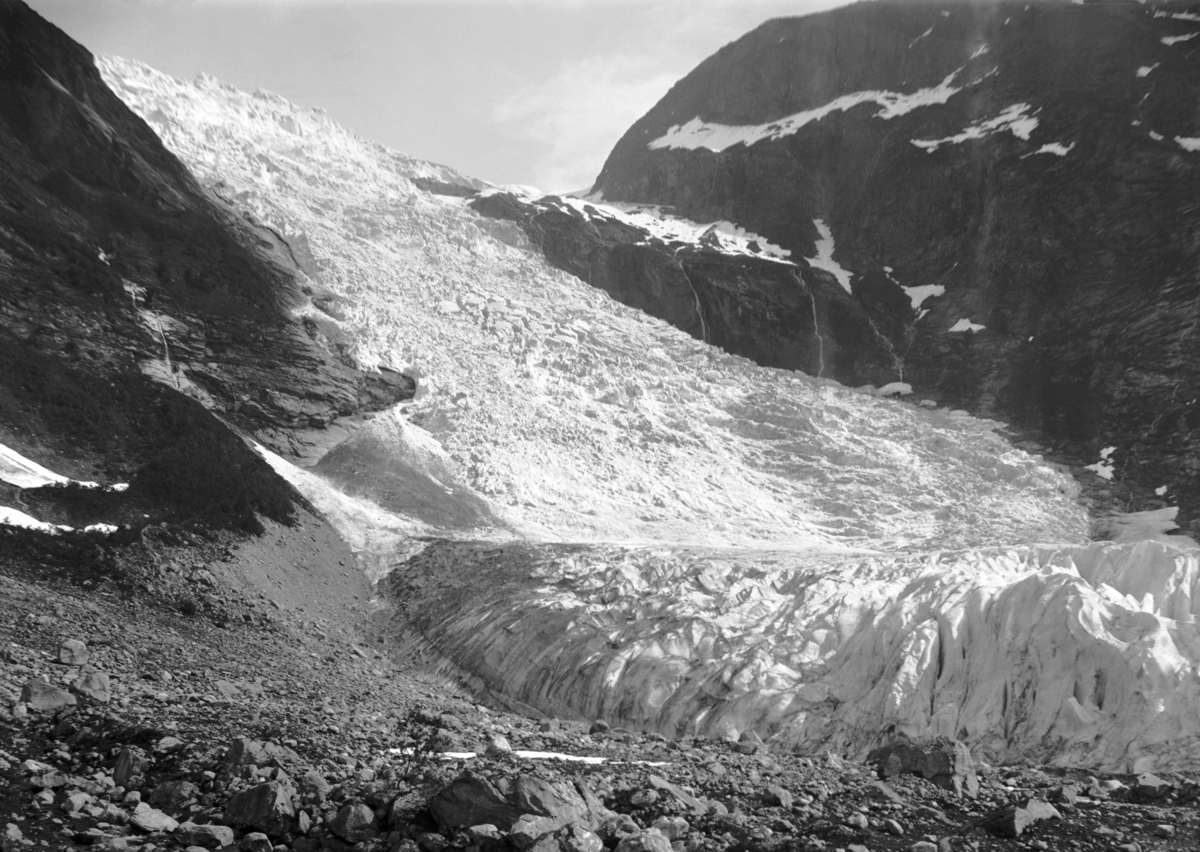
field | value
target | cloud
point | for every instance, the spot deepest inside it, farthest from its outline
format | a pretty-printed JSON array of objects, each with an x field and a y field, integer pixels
[{"x": 574, "y": 118}]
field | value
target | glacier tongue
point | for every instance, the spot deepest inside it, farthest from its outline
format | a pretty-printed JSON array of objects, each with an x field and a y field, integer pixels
[
  {"x": 1082, "y": 655},
  {"x": 633, "y": 524}
]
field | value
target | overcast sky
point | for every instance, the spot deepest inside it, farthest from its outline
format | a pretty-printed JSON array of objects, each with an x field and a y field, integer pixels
[{"x": 504, "y": 90}]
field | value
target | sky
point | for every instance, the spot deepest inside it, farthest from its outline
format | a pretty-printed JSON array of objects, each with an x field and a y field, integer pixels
[{"x": 533, "y": 92}]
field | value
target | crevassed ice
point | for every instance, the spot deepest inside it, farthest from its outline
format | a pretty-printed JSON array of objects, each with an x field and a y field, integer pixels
[
  {"x": 717, "y": 137},
  {"x": 1071, "y": 655},
  {"x": 570, "y": 415}
]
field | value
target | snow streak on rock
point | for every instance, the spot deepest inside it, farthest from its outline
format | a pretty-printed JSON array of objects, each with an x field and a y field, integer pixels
[
  {"x": 1013, "y": 119},
  {"x": 749, "y": 547},
  {"x": 717, "y": 137}
]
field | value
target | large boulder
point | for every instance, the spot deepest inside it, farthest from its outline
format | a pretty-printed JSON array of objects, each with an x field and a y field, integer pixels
[
  {"x": 943, "y": 761},
  {"x": 355, "y": 822},
  {"x": 45, "y": 697},
  {"x": 1012, "y": 820},
  {"x": 528, "y": 807},
  {"x": 73, "y": 652},
  {"x": 266, "y": 807},
  {"x": 93, "y": 685}
]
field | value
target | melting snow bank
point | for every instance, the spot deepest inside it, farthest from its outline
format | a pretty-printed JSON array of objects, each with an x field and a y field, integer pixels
[{"x": 1082, "y": 656}]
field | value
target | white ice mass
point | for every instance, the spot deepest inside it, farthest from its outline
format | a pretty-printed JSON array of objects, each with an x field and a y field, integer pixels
[{"x": 680, "y": 539}]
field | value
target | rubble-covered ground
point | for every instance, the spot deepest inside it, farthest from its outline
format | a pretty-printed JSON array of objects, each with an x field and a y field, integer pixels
[{"x": 189, "y": 699}]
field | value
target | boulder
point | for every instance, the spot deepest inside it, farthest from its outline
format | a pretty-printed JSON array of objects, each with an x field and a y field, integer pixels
[
  {"x": 1149, "y": 787},
  {"x": 498, "y": 746},
  {"x": 174, "y": 794},
  {"x": 355, "y": 822},
  {"x": 255, "y": 841},
  {"x": 73, "y": 652},
  {"x": 943, "y": 761},
  {"x": 1012, "y": 820},
  {"x": 679, "y": 793},
  {"x": 779, "y": 796},
  {"x": 43, "y": 697},
  {"x": 312, "y": 783},
  {"x": 151, "y": 820},
  {"x": 266, "y": 807},
  {"x": 247, "y": 752},
  {"x": 644, "y": 841},
  {"x": 130, "y": 767},
  {"x": 471, "y": 799},
  {"x": 207, "y": 836},
  {"x": 93, "y": 685}
]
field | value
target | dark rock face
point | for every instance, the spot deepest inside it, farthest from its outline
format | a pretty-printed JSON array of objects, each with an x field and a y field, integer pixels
[
  {"x": 777, "y": 314},
  {"x": 125, "y": 288},
  {"x": 1073, "y": 241}
]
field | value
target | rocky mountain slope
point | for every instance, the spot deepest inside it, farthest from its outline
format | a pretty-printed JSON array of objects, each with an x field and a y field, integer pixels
[
  {"x": 989, "y": 202},
  {"x": 131, "y": 300},
  {"x": 702, "y": 545}
]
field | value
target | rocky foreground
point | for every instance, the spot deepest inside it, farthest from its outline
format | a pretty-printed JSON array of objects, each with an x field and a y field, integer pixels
[{"x": 265, "y": 719}]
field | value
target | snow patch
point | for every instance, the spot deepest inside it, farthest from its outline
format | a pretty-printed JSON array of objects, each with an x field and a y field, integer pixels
[
  {"x": 980, "y": 51},
  {"x": 717, "y": 137},
  {"x": 1105, "y": 467},
  {"x": 1160, "y": 490},
  {"x": 1145, "y": 70},
  {"x": 1181, "y": 16},
  {"x": 921, "y": 292},
  {"x": 1056, "y": 148},
  {"x": 1013, "y": 118},
  {"x": 1188, "y": 143},
  {"x": 721, "y": 235},
  {"x": 895, "y": 389},
  {"x": 1170, "y": 40},
  {"x": 1157, "y": 137},
  {"x": 824, "y": 259},
  {"x": 967, "y": 325},
  {"x": 918, "y": 38},
  {"x": 14, "y": 518}
]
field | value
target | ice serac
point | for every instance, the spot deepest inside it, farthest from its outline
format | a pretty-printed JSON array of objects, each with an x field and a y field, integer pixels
[
  {"x": 621, "y": 520},
  {"x": 1031, "y": 161}
]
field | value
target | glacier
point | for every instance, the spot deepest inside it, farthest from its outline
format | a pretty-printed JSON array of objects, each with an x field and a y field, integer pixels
[{"x": 586, "y": 512}]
